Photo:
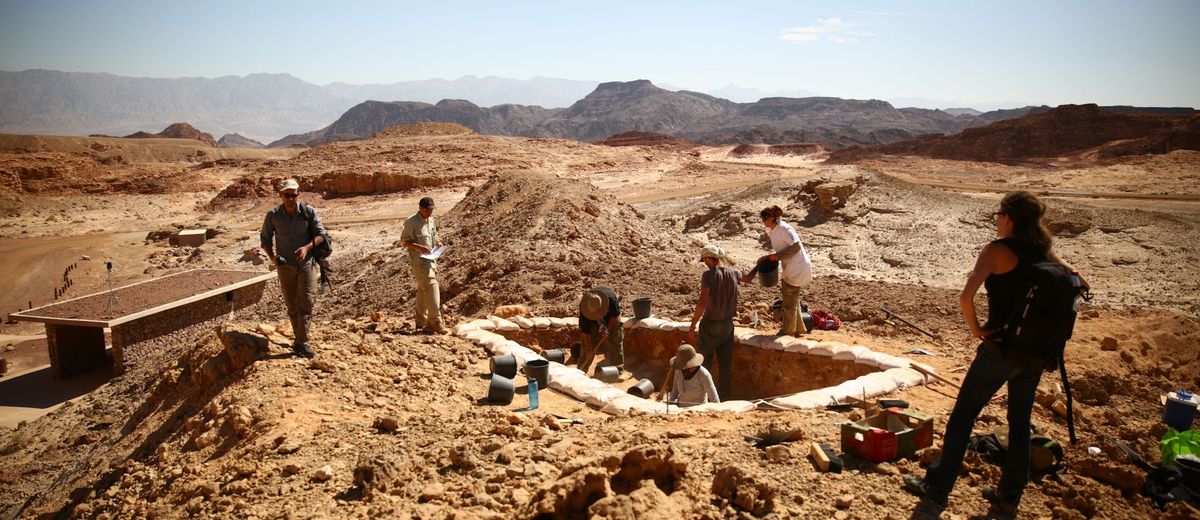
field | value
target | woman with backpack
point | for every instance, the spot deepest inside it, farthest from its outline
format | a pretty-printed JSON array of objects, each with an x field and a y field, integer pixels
[{"x": 1022, "y": 240}]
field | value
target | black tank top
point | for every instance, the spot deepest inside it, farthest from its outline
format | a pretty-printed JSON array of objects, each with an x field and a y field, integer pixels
[{"x": 1003, "y": 293}]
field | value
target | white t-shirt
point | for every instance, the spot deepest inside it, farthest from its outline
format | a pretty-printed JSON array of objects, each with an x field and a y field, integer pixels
[{"x": 797, "y": 270}]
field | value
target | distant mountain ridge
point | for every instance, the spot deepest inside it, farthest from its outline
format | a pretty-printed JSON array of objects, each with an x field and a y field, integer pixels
[
  {"x": 640, "y": 106},
  {"x": 258, "y": 106},
  {"x": 1064, "y": 131}
]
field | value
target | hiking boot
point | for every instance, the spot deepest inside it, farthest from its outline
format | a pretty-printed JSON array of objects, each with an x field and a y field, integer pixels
[
  {"x": 922, "y": 489},
  {"x": 303, "y": 350},
  {"x": 435, "y": 331},
  {"x": 999, "y": 501}
]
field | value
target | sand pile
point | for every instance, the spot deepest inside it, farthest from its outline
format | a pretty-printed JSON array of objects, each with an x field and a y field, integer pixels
[{"x": 537, "y": 239}]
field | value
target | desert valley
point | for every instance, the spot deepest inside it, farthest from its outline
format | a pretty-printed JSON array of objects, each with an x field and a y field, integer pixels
[{"x": 621, "y": 189}]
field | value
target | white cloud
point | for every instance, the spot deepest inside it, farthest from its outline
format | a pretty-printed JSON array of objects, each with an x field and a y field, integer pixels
[{"x": 833, "y": 30}]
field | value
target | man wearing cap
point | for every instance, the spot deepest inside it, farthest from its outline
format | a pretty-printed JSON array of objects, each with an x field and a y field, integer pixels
[
  {"x": 715, "y": 311},
  {"x": 688, "y": 382},
  {"x": 294, "y": 229},
  {"x": 600, "y": 328},
  {"x": 419, "y": 238}
]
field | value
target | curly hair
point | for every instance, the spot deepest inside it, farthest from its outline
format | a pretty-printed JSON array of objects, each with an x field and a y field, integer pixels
[{"x": 1027, "y": 214}]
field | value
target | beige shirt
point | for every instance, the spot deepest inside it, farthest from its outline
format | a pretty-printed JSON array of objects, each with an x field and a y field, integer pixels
[{"x": 419, "y": 231}]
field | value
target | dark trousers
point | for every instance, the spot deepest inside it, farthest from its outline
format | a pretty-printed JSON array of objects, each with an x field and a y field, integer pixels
[
  {"x": 716, "y": 337},
  {"x": 989, "y": 371}
]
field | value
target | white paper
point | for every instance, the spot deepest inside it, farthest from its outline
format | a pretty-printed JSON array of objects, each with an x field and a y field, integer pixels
[{"x": 435, "y": 254}]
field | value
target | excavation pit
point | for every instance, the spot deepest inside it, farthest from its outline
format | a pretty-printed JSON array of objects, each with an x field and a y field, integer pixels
[{"x": 768, "y": 371}]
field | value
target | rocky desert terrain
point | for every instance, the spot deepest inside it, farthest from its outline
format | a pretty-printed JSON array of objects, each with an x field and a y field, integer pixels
[{"x": 220, "y": 420}]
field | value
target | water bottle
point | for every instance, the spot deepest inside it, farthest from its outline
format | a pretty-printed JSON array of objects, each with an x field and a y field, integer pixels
[{"x": 533, "y": 397}]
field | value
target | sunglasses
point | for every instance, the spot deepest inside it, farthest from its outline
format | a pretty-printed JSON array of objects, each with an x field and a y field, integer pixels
[{"x": 290, "y": 195}]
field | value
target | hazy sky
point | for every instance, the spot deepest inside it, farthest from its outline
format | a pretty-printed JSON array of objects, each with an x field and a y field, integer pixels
[{"x": 975, "y": 52}]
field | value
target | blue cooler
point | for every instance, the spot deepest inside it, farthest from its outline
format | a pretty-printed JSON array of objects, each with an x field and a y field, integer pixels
[{"x": 1180, "y": 410}]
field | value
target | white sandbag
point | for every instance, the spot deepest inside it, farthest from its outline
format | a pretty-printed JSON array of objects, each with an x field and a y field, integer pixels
[
  {"x": 562, "y": 323},
  {"x": 727, "y": 406},
  {"x": 796, "y": 346},
  {"x": 888, "y": 362},
  {"x": 483, "y": 324},
  {"x": 757, "y": 340},
  {"x": 678, "y": 326},
  {"x": 621, "y": 405},
  {"x": 502, "y": 324},
  {"x": 851, "y": 353},
  {"x": 463, "y": 328},
  {"x": 602, "y": 396},
  {"x": 807, "y": 400},
  {"x": 669, "y": 326},
  {"x": 541, "y": 322},
  {"x": 872, "y": 358},
  {"x": 906, "y": 377},
  {"x": 648, "y": 323},
  {"x": 821, "y": 349}
]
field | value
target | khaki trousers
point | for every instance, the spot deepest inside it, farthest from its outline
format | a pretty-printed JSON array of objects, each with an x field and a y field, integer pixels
[
  {"x": 793, "y": 322},
  {"x": 429, "y": 296},
  {"x": 299, "y": 288}
]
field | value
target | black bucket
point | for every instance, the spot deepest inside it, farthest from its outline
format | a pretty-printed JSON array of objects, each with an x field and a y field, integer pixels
[
  {"x": 504, "y": 366},
  {"x": 501, "y": 389},
  {"x": 768, "y": 273},
  {"x": 641, "y": 308},
  {"x": 642, "y": 389},
  {"x": 556, "y": 355},
  {"x": 608, "y": 374},
  {"x": 538, "y": 369}
]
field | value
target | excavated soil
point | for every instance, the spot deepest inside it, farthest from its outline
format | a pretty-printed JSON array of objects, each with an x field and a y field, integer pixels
[{"x": 226, "y": 423}]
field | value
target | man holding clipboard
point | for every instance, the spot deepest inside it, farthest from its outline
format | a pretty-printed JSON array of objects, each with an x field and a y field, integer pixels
[{"x": 424, "y": 248}]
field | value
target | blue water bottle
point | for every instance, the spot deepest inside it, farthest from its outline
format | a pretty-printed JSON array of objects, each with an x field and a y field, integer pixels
[{"x": 533, "y": 397}]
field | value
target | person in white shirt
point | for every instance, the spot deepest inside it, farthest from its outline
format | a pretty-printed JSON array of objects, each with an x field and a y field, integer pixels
[
  {"x": 796, "y": 268},
  {"x": 688, "y": 382}
]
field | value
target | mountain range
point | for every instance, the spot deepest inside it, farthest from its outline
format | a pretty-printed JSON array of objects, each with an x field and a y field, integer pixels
[
  {"x": 258, "y": 106},
  {"x": 640, "y": 106}
]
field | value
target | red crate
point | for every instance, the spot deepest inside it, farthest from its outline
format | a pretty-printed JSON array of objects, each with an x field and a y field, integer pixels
[{"x": 888, "y": 435}]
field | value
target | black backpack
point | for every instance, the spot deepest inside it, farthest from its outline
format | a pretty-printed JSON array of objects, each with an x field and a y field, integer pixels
[
  {"x": 1044, "y": 320},
  {"x": 323, "y": 250}
]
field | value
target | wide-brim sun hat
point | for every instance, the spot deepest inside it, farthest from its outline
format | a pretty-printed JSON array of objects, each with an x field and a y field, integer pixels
[
  {"x": 593, "y": 305},
  {"x": 711, "y": 251},
  {"x": 686, "y": 357}
]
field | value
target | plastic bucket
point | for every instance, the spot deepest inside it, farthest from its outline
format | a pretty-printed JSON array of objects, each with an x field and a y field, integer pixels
[
  {"x": 641, "y": 308},
  {"x": 608, "y": 374},
  {"x": 538, "y": 369},
  {"x": 555, "y": 355},
  {"x": 501, "y": 390},
  {"x": 505, "y": 366},
  {"x": 768, "y": 273},
  {"x": 642, "y": 389}
]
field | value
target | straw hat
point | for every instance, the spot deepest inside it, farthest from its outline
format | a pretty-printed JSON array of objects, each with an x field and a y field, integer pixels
[
  {"x": 594, "y": 305},
  {"x": 686, "y": 357}
]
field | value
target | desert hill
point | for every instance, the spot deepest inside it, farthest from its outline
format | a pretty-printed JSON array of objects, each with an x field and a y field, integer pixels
[
  {"x": 178, "y": 131},
  {"x": 432, "y": 155},
  {"x": 1064, "y": 131},
  {"x": 238, "y": 141},
  {"x": 640, "y": 106}
]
